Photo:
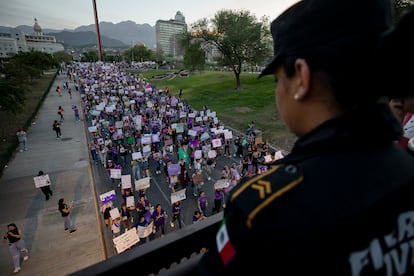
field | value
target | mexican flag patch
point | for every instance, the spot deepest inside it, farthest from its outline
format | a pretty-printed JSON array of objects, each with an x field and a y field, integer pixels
[{"x": 224, "y": 246}]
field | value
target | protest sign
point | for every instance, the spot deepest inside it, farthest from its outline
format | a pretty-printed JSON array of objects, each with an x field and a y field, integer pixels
[
  {"x": 216, "y": 143},
  {"x": 92, "y": 129},
  {"x": 115, "y": 173},
  {"x": 108, "y": 196},
  {"x": 114, "y": 213},
  {"x": 144, "y": 232},
  {"x": 173, "y": 169},
  {"x": 126, "y": 181},
  {"x": 130, "y": 201},
  {"x": 221, "y": 184},
  {"x": 126, "y": 240},
  {"x": 142, "y": 183},
  {"x": 41, "y": 180},
  {"x": 177, "y": 196},
  {"x": 136, "y": 155}
]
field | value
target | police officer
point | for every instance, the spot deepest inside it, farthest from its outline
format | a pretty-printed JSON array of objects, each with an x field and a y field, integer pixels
[{"x": 341, "y": 203}]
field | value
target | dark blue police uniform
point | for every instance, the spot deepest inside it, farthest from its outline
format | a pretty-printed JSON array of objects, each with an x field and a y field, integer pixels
[{"x": 341, "y": 203}]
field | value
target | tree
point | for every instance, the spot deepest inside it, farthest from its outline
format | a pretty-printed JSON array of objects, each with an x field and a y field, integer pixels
[
  {"x": 17, "y": 74},
  {"x": 238, "y": 36},
  {"x": 11, "y": 98},
  {"x": 138, "y": 53},
  {"x": 400, "y": 6},
  {"x": 195, "y": 56},
  {"x": 62, "y": 56}
]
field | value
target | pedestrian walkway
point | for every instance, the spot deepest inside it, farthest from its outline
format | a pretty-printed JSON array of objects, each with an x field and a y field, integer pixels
[{"x": 52, "y": 251}]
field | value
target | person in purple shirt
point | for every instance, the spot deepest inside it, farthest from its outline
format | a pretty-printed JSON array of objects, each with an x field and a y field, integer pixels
[
  {"x": 159, "y": 217},
  {"x": 202, "y": 203},
  {"x": 218, "y": 198}
]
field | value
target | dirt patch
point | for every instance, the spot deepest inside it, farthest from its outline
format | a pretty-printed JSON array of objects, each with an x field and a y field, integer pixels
[{"x": 242, "y": 109}]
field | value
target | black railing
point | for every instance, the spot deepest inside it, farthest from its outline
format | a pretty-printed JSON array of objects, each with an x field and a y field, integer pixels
[{"x": 176, "y": 253}]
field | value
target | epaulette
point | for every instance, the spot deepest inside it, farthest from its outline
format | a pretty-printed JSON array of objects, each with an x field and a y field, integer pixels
[{"x": 258, "y": 192}]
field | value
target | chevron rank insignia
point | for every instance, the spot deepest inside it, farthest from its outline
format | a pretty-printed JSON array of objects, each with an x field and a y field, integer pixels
[{"x": 258, "y": 192}]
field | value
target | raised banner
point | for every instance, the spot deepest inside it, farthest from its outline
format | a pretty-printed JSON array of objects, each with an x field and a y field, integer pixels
[
  {"x": 108, "y": 196},
  {"x": 178, "y": 196},
  {"x": 142, "y": 183},
  {"x": 41, "y": 180},
  {"x": 126, "y": 240}
]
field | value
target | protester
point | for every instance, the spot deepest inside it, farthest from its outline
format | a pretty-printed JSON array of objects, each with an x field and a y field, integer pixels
[
  {"x": 22, "y": 138},
  {"x": 45, "y": 189},
  {"x": 56, "y": 128},
  {"x": 17, "y": 245},
  {"x": 65, "y": 211},
  {"x": 336, "y": 204}
]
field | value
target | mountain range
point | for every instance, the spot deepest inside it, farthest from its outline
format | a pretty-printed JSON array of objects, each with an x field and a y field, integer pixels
[{"x": 121, "y": 35}]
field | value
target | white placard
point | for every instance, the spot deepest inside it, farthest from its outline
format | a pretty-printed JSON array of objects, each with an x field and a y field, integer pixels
[
  {"x": 221, "y": 184},
  {"x": 199, "y": 119},
  {"x": 41, "y": 180},
  {"x": 192, "y": 132},
  {"x": 115, "y": 173},
  {"x": 126, "y": 181},
  {"x": 228, "y": 134},
  {"x": 268, "y": 158},
  {"x": 278, "y": 155},
  {"x": 92, "y": 129},
  {"x": 96, "y": 113},
  {"x": 146, "y": 139},
  {"x": 114, "y": 213},
  {"x": 198, "y": 154},
  {"x": 142, "y": 183},
  {"x": 183, "y": 114},
  {"x": 144, "y": 232},
  {"x": 212, "y": 154},
  {"x": 136, "y": 155},
  {"x": 216, "y": 143},
  {"x": 177, "y": 196},
  {"x": 191, "y": 115},
  {"x": 130, "y": 201},
  {"x": 118, "y": 124},
  {"x": 146, "y": 150},
  {"x": 126, "y": 240}
]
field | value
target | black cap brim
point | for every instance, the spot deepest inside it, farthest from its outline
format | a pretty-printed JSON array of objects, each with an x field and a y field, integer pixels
[{"x": 271, "y": 67}]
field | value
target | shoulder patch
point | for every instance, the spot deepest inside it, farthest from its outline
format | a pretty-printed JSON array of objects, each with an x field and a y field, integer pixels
[{"x": 256, "y": 193}]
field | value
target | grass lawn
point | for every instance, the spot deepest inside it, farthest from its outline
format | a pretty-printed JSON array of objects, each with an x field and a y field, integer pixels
[{"x": 236, "y": 108}]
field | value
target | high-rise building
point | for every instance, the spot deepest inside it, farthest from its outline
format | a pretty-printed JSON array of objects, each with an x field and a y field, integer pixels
[
  {"x": 168, "y": 33},
  {"x": 16, "y": 41}
]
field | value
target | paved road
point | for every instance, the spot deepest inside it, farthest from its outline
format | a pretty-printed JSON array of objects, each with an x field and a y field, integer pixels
[{"x": 52, "y": 250}]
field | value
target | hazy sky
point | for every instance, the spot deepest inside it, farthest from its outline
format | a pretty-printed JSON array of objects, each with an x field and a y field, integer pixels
[{"x": 69, "y": 14}]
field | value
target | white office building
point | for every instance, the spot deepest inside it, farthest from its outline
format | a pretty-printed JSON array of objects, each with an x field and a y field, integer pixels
[{"x": 16, "y": 41}]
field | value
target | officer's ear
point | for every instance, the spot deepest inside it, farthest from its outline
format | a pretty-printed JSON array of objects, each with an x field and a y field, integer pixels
[{"x": 302, "y": 79}]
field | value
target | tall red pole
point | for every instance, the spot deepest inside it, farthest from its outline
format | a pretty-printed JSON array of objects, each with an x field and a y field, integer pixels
[{"x": 98, "y": 34}]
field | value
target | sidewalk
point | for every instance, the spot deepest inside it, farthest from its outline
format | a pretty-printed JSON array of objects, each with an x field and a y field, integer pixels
[{"x": 52, "y": 251}]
